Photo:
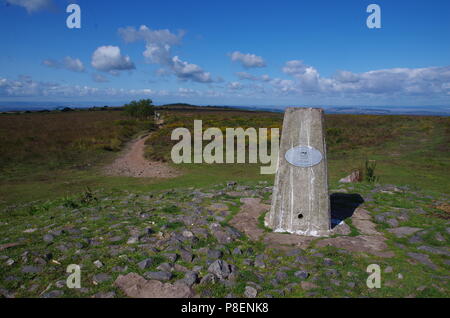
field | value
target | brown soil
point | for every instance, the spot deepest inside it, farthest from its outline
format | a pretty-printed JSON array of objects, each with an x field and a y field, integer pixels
[{"x": 132, "y": 163}]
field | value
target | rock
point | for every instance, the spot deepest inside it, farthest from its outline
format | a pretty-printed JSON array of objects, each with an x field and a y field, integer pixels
[
  {"x": 221, "y": 269},
  {"x": 186, "y": 256},
  {"x": 115, "y": 239},
  {"x": 172, "y": 257},
  {"x": 136, "y": 286},
  {"x": 100, "y": 278},
  {"x": 98, "y": 264},
  {"x": 280, "y": 276},
  {"x": 214, "y": 254},
  {"x": 53, "y": 294},
  {"x": 308, "y": 285},
  {"x": 364, "y": 226},
  {"x": 301, "y": 274},
  {"x": 237, "y": 251},
  {"x": 439, "y": 237},
  {"x": 48, "y": 238},
  {"x": 355, "y": 176},
  {"x": 423, "y": 259},
  {"x": 161, "y": 276},
  {"x": 146, "y": 263},
  {"x": 208, "y": 279},
  {"x": 9, "y": 262},
  {"x": 188, "y": 234},
  {"x": 259, "y": 263},
  {"x": 250, "y": 292},
  {"x": 105, "y": 295},
  {"x": 31, "y": 269},
  {"x": 166, "y": 267},
  {"x": 392, "y": 222},
  {"x": 380, "y": 218},
  {"x": 190, "y": 278},
  {"x": 415, "y": 239},
  {"x": 404, "y": 231},
  {"x": 434, "y": 250},
  {"x": 332, "y": 272}
]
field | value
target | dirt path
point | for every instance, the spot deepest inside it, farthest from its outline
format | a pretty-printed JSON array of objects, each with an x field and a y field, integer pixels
[{"x": 133, "y": 164}]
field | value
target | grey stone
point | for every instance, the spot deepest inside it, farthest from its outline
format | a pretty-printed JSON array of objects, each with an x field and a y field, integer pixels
[
  {"x": 31, "y": 269},
  {"x": 392, "y": 222},
  {"x": 190, "y": 278},
  {"x": 328, "y": 262},
  {"x": 53, "y": 294},
  {"x": 98, "y": 264},
  {"x": 146, "y": 263},
  {"x": 404, "y": 231},
  {"x": 250, "y": 292},
  {"x": 172, "y": 257},
  {"x": 208, "y": 279},
  {"x": 164, "y": 267},
  {"x": 301, "y": 274},
  {"x": 237, "y": 251},
  {"x": 186, "y": 256},
  {"x": 434, "y": 250},
  {"x": 220, "y": 268},
  {"x": 101, "y": 278},
  {"x": 105, "y": 295},
  {"x": 295, "y": 210},
  {"x": 423, "y": 259},
  {"x": 161, "y": 276},
  {"x": 214, "y": 254},
  {"x": 48, "y": 238}
]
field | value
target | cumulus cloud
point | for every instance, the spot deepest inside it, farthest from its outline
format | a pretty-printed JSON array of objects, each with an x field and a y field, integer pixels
[
  {"x": 109, "y": 59},
  {"x": 248, "y": 60},
  {"x": 158, "y": 50},
  {"x": 32, "y": 5},
  {"x": 186, "y": 71},
  {"x": 68, "y": 63},
  {"x": 386, "y": 82}
]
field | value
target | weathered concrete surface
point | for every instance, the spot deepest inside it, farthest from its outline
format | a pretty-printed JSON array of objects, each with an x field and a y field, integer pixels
[
  {"x": 246, "y": 221},
  {"x": 300, "y": 201}
]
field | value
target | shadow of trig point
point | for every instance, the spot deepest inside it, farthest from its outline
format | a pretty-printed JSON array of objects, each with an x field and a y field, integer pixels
[{"x": 300, "y": 200}]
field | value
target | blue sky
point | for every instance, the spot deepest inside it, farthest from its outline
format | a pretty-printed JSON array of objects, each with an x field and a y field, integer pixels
[{"x": 251, "y": 52}]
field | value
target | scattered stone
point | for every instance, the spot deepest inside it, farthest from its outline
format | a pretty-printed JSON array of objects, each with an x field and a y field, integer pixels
[
  {"x": 221, "y": 269},
  {"x": 146, "y": 263},
  {"x": 53, "y": 294},
  {"x": 214, "y": 254},
  {"x": 190, "y": 278},
  {"x": 10, "y": 262},
  {"x": 208, "y": 279},
  {"x": 48, "y": 238},
  {"x": 136, "y": 286},
  {"x": 423, "y": 259},
  {"x": 308, "y": 285},
  {"x": 388, "y": 269},
  {"x": 404, "y": 231},
  {"x": 434, "y": 250},
  {"x": 100, "y": 278},
  {"x": 301, "y": 274},
  {"x": 250, "y": 292},
  {"x": 166, "y": 267},
  {"x": 172, "y": 257},
  {"x": 31, "y": 269},
  {"x": 105, "y": 295},
  {"x": 98, "y": 264},
  {"x": 186, "y": 256},
  {"x": 392, "y": 222},
  {"x": 161, "y": 276}
]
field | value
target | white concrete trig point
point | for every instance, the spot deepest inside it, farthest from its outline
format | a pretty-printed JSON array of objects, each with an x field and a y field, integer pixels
[{"x": 300, "y": 200}]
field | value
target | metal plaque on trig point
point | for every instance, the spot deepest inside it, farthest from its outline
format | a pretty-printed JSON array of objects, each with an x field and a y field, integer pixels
[{"x": 303, "y": 156}]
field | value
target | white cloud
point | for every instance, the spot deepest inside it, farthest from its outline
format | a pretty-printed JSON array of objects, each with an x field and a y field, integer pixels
[
  {"x": 186, "y": 71},
  {"x": 32, "y": 5},
  {"x": 109, "y": 59},
  {"x": 248, "y": 60},
  {"x": 68, "y": 63},
  {"x": 386, "y": 82},
  {"x": 158, "y": 50}
]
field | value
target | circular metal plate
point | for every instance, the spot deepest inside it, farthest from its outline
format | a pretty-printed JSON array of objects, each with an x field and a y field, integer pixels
[{"x": 303, "y": 156}]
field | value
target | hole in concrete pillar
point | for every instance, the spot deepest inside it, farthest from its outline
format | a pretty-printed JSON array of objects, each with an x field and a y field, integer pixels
[{"x": 300, "y": 216}]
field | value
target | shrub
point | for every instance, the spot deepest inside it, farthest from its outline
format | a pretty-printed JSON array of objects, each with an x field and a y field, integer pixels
[{"x": 142, "y": 109}]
